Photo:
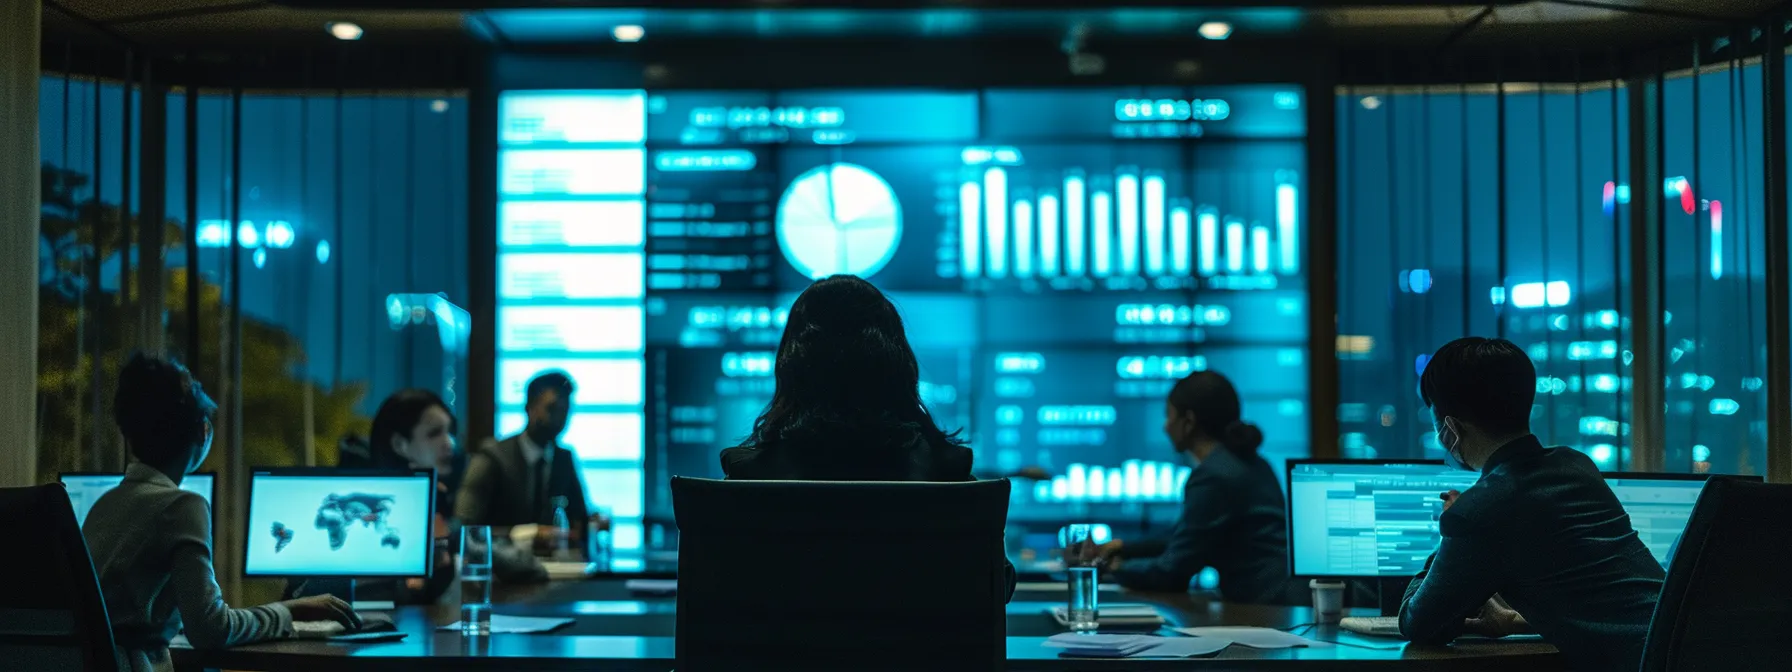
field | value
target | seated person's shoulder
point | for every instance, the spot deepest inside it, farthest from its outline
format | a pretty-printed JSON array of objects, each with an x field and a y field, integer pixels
[
  {"x": 952, "y": 461},
  {"x": 1479, "y": 508},
  {"x": 743, "y": 462}
]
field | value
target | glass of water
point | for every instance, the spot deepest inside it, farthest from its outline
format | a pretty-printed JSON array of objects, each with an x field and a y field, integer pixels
[
  {"x": 1078, "y": 542},
  {"x": 476, "y": 580},
  {"x": 597, "y": 538}
]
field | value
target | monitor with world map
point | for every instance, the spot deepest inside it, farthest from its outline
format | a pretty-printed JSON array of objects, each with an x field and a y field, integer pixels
[{"x": 325, "y": 522}]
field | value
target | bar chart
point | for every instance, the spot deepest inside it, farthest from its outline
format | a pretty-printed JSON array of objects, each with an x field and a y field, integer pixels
[
  {"x": 1132, "y": 481},
  {"x": 1125, "y": 224}
]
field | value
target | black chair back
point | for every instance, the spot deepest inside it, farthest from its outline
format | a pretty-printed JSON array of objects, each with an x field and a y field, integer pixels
[
  {"x": 52, "y": 616},
  {"x": 846, "y": 576},
  {"x": 1727, "y": 601}
]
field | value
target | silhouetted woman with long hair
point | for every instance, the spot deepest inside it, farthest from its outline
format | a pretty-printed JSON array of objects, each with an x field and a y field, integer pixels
[{"x": 848, "y": 404}]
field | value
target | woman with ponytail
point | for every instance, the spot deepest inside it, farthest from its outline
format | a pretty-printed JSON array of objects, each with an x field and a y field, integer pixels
[{"x": 1233, "y": 518}]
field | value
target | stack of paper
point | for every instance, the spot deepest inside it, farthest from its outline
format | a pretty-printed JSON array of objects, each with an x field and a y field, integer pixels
[
  {"x": 1256, "y": 638},
  {"x": 1116, "y": 616},
  {"x": 1132, "y": 646}
]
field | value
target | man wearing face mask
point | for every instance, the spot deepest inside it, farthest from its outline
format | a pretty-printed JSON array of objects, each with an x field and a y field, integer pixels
[
  {"x": 1233, "y": 518},
  {"x": 1540, "y": 531}
]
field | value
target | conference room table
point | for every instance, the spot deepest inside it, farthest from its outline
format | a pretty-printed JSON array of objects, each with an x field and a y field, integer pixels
[{"x": 613, "y": 629}]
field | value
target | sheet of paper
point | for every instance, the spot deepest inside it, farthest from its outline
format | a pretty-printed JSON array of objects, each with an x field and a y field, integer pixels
[
  {"x": 1183, "y": 647},
  {"x": 1256, "y": 638},
  {"x": 652, "y": 585},
  {"x": 518, "y": 625},
  {"x": 1134, "y": 646}
]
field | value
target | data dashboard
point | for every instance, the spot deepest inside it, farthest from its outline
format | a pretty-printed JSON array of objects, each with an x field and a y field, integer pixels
[{"x": 1061, "y": 258}]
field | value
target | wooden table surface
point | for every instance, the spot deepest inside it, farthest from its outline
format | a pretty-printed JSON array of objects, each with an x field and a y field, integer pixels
[{"x": 613, "y": 630}]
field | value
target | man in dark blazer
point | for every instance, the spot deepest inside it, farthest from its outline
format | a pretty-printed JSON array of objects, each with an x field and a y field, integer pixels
[
  {"x": 515, "y": 481},
  {"x": 1539, "y": 542}
]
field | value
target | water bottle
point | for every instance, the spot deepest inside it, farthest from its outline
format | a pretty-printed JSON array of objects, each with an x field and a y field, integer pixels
[{"x": 562, "y": 531}]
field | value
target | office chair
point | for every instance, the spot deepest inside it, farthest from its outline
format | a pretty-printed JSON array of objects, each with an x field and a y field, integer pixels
[
  {"x": 1725, "y": 605},
  {"x": 847, "y": 576},
  {"x": 52, "y": 616}
]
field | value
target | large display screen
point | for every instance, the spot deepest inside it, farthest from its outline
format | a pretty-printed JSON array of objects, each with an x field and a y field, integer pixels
[{"x": 1061, "y": 258}]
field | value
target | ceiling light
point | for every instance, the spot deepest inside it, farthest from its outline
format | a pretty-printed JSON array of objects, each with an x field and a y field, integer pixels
[
  {"x": 438, "y": 106},
  {"x": 1216, "y": 30},
  {"x": 628, "y": 33},
  {"x": 344, "y": 30}
]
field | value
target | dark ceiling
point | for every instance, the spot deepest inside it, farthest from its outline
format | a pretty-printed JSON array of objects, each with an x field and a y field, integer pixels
[
  {"x": 185, "y": 24},
  {"x": 435, "y": 43}
]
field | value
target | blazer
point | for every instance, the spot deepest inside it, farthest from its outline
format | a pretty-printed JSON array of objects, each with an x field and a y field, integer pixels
[
  {"x": 151, "y": 544},
  {"x": 497, "y": 488},
  {"x": 892, "y": 451},
  {"x": 1234, "y": 521},
  {"x": 1543, "y": 530}
]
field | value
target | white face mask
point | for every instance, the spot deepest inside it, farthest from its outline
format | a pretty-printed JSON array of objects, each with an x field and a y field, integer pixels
[{"x": 1451, "y": 440}]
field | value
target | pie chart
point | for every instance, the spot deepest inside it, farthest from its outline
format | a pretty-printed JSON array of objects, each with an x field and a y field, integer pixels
[{"x": 839, "y": 218}]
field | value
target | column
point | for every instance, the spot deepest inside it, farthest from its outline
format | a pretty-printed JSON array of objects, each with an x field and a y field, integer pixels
[{"x": 19, "y": 35}]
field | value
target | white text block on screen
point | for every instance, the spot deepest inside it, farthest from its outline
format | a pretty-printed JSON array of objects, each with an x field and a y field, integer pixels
[
  {"x": 572, "y": 276},
  {"x": 598, "y": 382},
  {"x": 591, "y": 435},
  {"x": 572, "y": 116},
  {"x": 585, "y": 329},
  {"x": 572, "y": 223},
  {"x": 572, "y": 172},
  {"x": 618, "y": 490}
]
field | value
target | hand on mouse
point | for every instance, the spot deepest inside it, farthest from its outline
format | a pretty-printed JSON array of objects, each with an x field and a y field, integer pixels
[{"x": 324, "y": 608}]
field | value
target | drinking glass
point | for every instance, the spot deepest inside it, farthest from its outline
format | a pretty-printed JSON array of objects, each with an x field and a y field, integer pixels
[
  {"x": 476, "y": 580},
  {"x": 598, "y": 536},
  {"x": 1078, "y": 543}
]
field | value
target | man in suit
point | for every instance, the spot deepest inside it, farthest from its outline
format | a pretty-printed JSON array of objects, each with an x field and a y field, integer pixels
[
  {"x": 516, "y": 481},
  {"x": 1539, "y": 542}
]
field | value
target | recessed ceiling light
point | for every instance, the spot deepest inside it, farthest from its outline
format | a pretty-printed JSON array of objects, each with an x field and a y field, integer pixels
[
  {"x": 628, "y": 33},
  {"x": 1216, "y": 30},
  {"x": 344, "y": 30}
]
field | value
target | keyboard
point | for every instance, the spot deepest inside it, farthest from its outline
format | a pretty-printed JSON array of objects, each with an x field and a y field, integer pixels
[
  {"x": 1378, "y": 626},
  {"x": 370, "y": 622}
]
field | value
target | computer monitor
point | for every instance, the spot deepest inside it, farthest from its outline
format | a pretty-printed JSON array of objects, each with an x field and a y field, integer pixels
[
  {"x": 1659, "y": 506},
  {"x": 1357, "y": 518},
  {"x": 339, "y": 523},
  {"x": 85, "y": 487}
]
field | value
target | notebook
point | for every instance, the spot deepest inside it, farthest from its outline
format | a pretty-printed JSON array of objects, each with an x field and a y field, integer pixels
[{"x": 1116, "y": 616}]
